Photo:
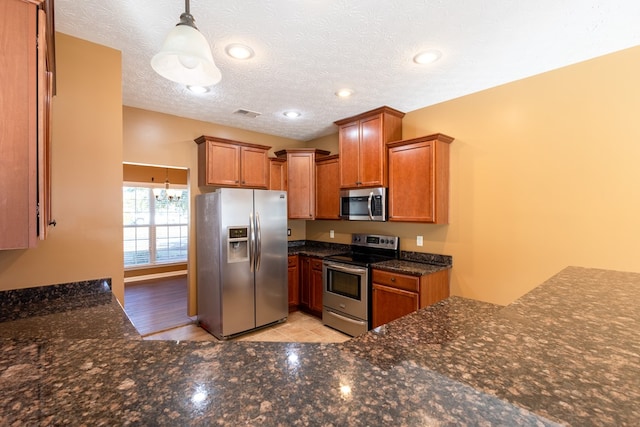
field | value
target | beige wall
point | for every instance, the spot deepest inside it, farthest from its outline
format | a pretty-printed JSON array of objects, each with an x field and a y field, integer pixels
[
  {"x": 86, "y": 168},
  {"x": 544, "y": 174},
  {"x": 162, "y": 139}
]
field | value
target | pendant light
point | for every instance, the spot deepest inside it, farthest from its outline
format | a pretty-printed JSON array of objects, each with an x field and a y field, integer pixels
[{"x": 186, "y": 56}]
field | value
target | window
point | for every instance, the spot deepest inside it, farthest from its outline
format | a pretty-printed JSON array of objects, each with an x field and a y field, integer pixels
[{"x": 155, "y": 231}]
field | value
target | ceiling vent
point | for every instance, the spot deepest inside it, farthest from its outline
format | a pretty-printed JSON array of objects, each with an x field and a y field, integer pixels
[{"x": 247, "y": 113}]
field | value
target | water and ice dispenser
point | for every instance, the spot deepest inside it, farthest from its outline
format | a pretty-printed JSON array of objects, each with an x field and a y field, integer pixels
[{"x": 237, "y": 244}]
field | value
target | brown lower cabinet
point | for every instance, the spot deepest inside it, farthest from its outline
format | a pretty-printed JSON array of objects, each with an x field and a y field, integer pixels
[
  {"x": 311, "y": 285},
  {"x": 396, "y": 295},
  {"x": 293, "y": 275}
]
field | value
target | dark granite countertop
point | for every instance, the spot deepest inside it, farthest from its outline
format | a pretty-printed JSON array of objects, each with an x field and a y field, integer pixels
[
  {"x": 566, "y": 353},
  {"x": 316, "y": 249},
  {"x": 411, "y": 263},
  {"x": 411, "y": 268}
]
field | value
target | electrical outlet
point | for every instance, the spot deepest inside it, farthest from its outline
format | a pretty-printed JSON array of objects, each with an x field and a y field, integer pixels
[
  {"x": 288, "y": 232},
  {"x": 419, "y": 241},
  {"x": 332, "y": 234}
]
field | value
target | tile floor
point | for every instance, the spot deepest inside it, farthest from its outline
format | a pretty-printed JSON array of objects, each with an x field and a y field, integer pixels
[{"x": 299, "y": 327}]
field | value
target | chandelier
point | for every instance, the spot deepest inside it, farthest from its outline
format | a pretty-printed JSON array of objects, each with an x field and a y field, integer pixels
[{"x": 171, "y": 195}]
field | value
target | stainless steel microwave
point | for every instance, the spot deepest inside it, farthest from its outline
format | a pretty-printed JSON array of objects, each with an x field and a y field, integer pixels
[{"x": 364, "y": 204}]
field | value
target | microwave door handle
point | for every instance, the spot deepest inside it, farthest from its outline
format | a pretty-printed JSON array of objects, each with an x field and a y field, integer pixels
[{"x": 370, "y": 206}]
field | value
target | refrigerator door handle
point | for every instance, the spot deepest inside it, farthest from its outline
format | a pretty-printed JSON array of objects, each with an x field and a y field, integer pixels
[
  {"x": 258, "y": 242},
  {"x": 252, "y": 243}
]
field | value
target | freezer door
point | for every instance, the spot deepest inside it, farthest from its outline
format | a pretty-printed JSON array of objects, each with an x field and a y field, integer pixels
[
  {"x": 237, "y": 286},
  {"x": 271, "y": 256}
]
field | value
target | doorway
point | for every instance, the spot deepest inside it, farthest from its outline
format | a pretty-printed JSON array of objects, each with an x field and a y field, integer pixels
[{"x": 156, "y": 223}]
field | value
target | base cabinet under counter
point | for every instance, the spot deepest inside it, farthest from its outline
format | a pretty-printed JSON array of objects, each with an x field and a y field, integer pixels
[
  {"x": 311, "y": 285},
  {"x": 293, "y": 279},
  {"x": 395, "y": 295}
]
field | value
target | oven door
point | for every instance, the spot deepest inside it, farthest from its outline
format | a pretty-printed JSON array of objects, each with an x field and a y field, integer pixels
[{"x": 346, "y": 289}]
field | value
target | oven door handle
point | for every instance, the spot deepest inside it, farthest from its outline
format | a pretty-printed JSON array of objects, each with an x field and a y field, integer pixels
[
  {"x": 340, "y": 267},
  {"x": 346, "y": 319}
]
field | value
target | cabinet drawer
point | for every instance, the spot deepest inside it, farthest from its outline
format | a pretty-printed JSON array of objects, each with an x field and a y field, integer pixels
[
  {"x": 316, "y": 264},
  {"x": 395, "y": 280},
  {"x": 292, "y": 261}
]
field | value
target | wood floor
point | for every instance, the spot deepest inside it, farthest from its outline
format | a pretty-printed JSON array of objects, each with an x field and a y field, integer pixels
[
  {"x": 158, "y": 310},
  {"x": 157, "y": 305}
]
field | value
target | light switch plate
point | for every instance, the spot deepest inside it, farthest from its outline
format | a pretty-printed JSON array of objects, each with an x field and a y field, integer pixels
[
  {"x": 419, "y": 241},
  {"x": 331, "y": 234},
  {"x": 288, "y": 232}
]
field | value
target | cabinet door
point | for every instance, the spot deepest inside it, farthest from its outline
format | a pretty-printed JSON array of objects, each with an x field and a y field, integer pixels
[
  {"x": 328, "y": 188},
  {"x": 372, "y": 152},
  {"x": 301, "y": 185},
  {"x": 411, "y": 183},
  {"x": 254, "y": 166},
  {"x": 293, "y": 283},
  {"x": 349, "y": 137},
  {"x": 223, "y": 164},
  {"x": 419, "y": 179},
  {"x": 390, "y": 303},
  {"x": 305, "y": 281},
  {"x": 277, "y": 174},
  {"x": 18, "y": 125},
  {"x": 316, "y": 287}
]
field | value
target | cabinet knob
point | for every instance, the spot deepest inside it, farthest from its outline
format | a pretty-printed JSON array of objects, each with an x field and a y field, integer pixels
[{"x": 393, "y": 279}]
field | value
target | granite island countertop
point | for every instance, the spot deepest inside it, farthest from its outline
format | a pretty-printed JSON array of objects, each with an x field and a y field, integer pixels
[{"x": 566, "y": 353}]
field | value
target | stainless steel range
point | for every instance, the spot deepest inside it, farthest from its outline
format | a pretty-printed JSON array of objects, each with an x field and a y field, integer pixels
[{"x": 347, "y": 282}]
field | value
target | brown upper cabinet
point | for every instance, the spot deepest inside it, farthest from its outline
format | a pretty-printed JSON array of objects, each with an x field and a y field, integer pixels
[
  {"x": 301, "y": 181},
  {"x": 226, "y": 163},
  {"x": 328, "y": 187},
  {"x": 419, "y": 179},
  {"x": 362, "y": 150},
  {"x": 27, "y": 84},
  {"x": 278, "y": 173}
]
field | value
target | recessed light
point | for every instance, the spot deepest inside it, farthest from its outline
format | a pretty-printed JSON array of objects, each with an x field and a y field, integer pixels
[
  {"x": 198, "y": 89},
  {"x": 239, "y": 51},
  {"x": 427, "y": 57},
  {"x": 344, "y": 93},
  {"x": 292, "y": 114}
]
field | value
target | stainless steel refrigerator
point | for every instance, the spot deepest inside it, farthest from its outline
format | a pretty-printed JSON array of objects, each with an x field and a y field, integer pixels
[{"x": 241, "y": 255}]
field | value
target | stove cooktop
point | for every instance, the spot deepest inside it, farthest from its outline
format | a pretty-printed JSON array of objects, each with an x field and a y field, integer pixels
[{"x": 367, "y": 249}]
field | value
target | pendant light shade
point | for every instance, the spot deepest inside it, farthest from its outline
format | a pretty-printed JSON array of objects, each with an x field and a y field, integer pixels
[{"x": 186, "y": 56}]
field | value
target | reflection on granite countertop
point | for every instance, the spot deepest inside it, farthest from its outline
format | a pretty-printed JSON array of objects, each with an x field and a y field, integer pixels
[{"x": 566, "y": 353}]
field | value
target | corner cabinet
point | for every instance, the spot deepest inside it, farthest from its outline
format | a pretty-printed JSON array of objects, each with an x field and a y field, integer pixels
[
  {"x": 362, "y": 150},
  {"x": 226, "y": 163},
  {"x": 395, "y": 295},
  {"x": 328, "y": 187},
  {"x": 27, "y": 84},
  {"x": 293, "y": 282},
  {"x": 277, "y": 174},
  {"x": 419, "y": 179},
  {"x": 301, "y": 181},
  {"x": 311, "y": 285}
]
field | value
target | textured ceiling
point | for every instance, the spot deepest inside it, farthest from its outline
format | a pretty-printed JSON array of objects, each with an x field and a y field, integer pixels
[{"x": 305, "y": 50}]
